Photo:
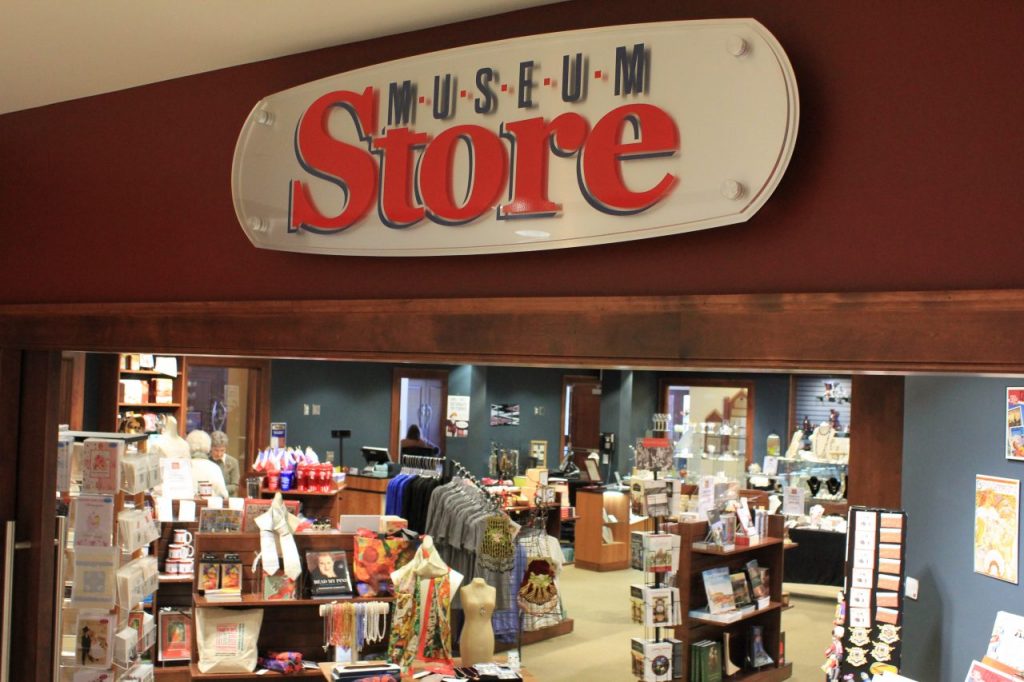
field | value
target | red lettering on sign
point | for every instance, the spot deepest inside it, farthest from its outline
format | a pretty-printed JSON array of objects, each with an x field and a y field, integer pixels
[
  {"x": 345, "y": 165},
  {"x": 488, "y": 170},
  {"x": 601, "y": 153},
  {"x": 600, "y": 161},
  {"x": 396, "y": 205},
  {"x": 530, "y": 137}
]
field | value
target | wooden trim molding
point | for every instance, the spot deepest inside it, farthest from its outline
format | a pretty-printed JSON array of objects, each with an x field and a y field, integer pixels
[{"x": 967, "y": 331}]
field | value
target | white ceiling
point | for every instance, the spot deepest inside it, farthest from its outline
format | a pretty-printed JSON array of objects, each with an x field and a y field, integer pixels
[{"x": 56, "y": 50}]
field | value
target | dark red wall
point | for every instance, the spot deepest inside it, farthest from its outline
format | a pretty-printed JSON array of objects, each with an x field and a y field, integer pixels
[{"x": 907, "y": 174}]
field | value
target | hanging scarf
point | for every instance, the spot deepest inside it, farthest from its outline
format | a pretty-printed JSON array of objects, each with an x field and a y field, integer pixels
[
  {"x": 274, "y": 525},
  {"x": 414, "y": 638}
]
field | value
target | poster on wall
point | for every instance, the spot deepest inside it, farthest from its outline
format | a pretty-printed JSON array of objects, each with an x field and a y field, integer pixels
[
  {"x": 1015, "y": 423},
  {"x": 504, "y": 415},
  {"x": 457, "y": 424},
  {"x": 996, "y": 509}
]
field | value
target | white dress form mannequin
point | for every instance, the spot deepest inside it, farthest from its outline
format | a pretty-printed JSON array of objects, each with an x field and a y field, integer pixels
[
  {"x": 477, "y": 642},
  {"x": 171, "y": 444}
]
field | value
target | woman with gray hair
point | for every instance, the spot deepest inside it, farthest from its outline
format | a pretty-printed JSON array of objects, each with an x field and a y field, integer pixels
[{"x": 227, "y": 463}]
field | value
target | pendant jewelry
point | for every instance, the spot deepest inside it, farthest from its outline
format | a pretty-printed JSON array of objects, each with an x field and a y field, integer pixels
[
  {"x": 860, "y": 636},
  {"x": 856, "y": 657},
  {"x": 889, "y": 634},
  {"x": 814, "y": 484},
  {"x": 833, "y": 485},
  {"x": 881, "y": 652}
]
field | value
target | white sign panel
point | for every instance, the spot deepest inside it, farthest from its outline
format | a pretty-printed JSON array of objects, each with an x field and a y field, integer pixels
[{"x": 550, "y": 141}]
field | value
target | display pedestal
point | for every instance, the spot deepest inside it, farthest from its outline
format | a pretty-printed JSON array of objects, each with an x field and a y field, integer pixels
[{"x": 592, "y": 552}]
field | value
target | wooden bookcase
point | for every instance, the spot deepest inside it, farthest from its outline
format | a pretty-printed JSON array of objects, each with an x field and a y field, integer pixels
[
  {"x": 692, "y": 562},
  {"x": 592, "y": 552},
  {"x": 288, "y": 625},
  {"x": 118, "y": 369},
  {"x": 312, "y": 504}
]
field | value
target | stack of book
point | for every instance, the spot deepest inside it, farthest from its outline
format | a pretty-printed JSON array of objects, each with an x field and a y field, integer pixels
[{"x": 706, "y": 661}]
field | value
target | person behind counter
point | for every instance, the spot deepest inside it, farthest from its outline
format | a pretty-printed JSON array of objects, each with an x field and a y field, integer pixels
[
  {"x": 414, "y": 440},
  {"x": 228, "y": 464}
]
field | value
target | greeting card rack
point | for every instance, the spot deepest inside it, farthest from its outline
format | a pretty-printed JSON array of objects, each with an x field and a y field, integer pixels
[
  {"x": 769, "y": 552},
  {"x": 69, "y": 490}
]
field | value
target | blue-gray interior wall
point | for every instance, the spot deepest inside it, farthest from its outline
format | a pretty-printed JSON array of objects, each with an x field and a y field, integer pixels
[
  {"x": 357, "y": 396},
  {"x": 351, "y": 395},
  {"x": 953, "y": 430}
]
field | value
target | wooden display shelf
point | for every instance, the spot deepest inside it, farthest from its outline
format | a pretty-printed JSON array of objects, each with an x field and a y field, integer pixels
[
  {"x": 772, "y": 606},
  {"x": 167, "y": 672},
  {"x": 255, "y": 599},
  {"x": 783, "y": 672},
  {"x": 294, "y": 491},
  {"x": 148, "y": 372},
  {"x": 591, "y": 552},
  {"x": 149, "y": 406},
  {"x": 179, "y": 578},
  {"x": 257, "y": 675},
  {"x": 739, "y": 549}
]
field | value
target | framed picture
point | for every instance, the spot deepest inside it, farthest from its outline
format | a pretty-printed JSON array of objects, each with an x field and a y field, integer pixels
[
  {"x": 1015, "y": 423},
  {"x": 328, "y": 573},
  {"x": 94, "y": 633},
  {"x": 175, "y": 635},
  {"x": 220, "y": 520},
  {"x": 254, "y": 508}
]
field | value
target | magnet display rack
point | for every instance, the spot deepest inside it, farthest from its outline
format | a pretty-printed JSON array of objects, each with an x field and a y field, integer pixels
[{"x": 693, "y": 562}]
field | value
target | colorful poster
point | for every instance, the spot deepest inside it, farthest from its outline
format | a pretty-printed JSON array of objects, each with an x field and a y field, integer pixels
[
  {"x": 1015, "y": 424},
  {"x": 996, "y": 509},
  {"x": 980, "y": 672},
  {"x": 504, "y": 415},
  {"x": 457, "y": 424}
]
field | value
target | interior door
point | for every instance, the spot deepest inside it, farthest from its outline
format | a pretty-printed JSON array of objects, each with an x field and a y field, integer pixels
[
  {"x": 29, "y": 408},
  {"x": 581, "y": 410}
]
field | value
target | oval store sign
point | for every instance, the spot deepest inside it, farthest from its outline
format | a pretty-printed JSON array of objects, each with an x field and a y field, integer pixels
[{"x": 551, "y": 141}]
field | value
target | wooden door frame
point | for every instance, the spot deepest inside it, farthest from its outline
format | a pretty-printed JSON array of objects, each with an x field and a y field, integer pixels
[
  {"x": 257, "y": 406},
  {"x": 726, "y": 382},
  {"x": 567, "y": 380},
  {"x": 397, "y": 375}
]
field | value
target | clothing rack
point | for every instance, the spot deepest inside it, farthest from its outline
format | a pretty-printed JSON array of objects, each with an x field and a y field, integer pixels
[
  {"x": 456, "y": 468},
  {"x": 423, "y": 465}
]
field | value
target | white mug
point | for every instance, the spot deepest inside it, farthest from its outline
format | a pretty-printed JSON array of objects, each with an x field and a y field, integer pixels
[
  {"x": 172, "y": 566},
  {"x": 186, "y": 566},
  {"x": 205, "y": 489},
  {"x": 182, "y": 536},
  {"x": 180, "y": 551}
]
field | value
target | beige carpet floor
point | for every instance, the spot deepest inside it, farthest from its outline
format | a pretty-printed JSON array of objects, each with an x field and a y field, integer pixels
[{"x": 598, "y": 648}]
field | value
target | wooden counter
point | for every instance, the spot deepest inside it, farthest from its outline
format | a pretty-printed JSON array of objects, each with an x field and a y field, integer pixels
[{"x": 363, "y": 495}]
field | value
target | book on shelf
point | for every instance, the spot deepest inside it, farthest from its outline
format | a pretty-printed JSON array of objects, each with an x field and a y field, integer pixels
[
  {"x": 724, "y": 617},
  {"x": 706, "y": 657},
  {"x": 718, "y": 587},
  {"x": 328, "y": 574},
  {"x": 223, "y": 595},
  {"x": 741, "y": 591},
  {"x": 1006, "y": 645},
  {"x": 758, "y": 586}
]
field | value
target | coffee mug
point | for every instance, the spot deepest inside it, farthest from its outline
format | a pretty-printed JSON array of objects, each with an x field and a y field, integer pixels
[
  {"x": 205, "y": 489},
  {"x": 182, "y": 536},
  {"x": 186, "y": 566},
  {"x": 172, "y": 566},
  {"x": 175, "y": 551}
]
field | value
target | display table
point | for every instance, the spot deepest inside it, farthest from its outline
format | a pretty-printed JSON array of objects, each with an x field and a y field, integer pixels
[
  {"x": 818, "y": 559},
  {"x": 326, "y": 669}
]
